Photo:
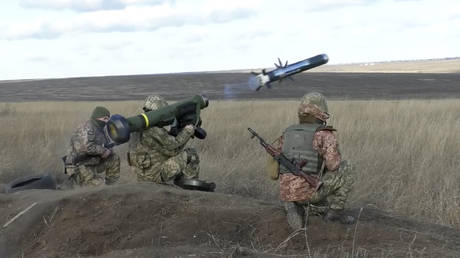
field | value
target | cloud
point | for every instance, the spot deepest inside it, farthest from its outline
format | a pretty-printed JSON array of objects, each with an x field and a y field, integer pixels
[
  {"x": 40, "y": 29},
  {"x": 86, "y": 5},
  {"x": 115, "y": 46},
  {"x": 130, "y": 19},
  {"x": 252, "y": 34},
  {"x": 224, "y": 15},
  {"x": 453, "y": 17},
  {"x": 327, "y": 5},
  {"x": 38, "y": 59}
]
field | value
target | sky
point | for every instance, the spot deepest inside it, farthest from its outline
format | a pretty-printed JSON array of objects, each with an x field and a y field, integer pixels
[{"x": 80, "y": 38}]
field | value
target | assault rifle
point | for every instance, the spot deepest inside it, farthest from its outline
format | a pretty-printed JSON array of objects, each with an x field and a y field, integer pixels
[{"x": 290, "y": 165}]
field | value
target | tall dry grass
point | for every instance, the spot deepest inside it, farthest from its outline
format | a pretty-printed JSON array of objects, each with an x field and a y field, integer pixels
[{"x": 405, "y": 153}]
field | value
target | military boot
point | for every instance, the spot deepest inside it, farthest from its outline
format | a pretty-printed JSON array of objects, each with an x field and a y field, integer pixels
[
  {"x": 68, "y": 184},
  {"x": 295, "y": 215},
  {"x": 109, "y": 181},
  {"x": 339, "y": 215}
]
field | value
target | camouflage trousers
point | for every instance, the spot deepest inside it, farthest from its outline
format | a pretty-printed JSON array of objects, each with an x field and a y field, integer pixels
[
  {"x": 187, "y": 163},
  {"x": 333, "y": 193},
  {"x": 106, "y": 172}
]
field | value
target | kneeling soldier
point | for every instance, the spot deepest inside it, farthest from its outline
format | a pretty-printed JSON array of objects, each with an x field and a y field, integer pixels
[
  {"x": 313, "y": 143},
  {"x": 90, "y": 161},
  {"x": 159, "y": 157}
]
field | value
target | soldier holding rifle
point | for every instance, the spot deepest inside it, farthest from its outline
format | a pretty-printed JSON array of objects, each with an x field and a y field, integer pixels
[{"x": 308, "y": 164}]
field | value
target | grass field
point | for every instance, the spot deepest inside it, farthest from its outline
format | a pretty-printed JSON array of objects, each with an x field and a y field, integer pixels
[
  {"x": 405, "y": 152},
  {"x": 448, "y": 65}
]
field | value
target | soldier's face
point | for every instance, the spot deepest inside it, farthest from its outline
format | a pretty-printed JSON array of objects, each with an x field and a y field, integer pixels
[{"x": 104, "y": 119}]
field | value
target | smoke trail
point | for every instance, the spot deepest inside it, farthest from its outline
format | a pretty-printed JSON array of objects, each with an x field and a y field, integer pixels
[
  {"x": 231, "y": 90},
  {"x": 253, "y": 83}
]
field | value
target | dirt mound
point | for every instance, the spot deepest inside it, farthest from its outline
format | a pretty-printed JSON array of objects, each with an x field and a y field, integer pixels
[{"x": 148, "y": 220}]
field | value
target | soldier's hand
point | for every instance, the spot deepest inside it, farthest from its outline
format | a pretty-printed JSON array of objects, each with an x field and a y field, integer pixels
[
  {"x": 106, "y": 153},
  {"x": 190, "y": 128}
]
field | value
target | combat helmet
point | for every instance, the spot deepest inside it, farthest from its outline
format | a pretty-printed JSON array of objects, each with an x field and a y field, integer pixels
[
  {"x": 314, "y": 105},
  {"x": 154, "y": 102}
]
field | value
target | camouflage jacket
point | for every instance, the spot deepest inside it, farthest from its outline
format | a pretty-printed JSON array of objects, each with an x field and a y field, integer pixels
[
  {"x": 86, "y": 144},
  {"x": 155, "y": 145},
  {"x": 295, "y": 188}
]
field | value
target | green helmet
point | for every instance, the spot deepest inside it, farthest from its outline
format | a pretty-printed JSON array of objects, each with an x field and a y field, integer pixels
[
  {"x": 314, "y": 104},
  {"x": 154, "y": 102},
  {"x": 100, "y": 112},
  {"x": 317, "y": 99}
]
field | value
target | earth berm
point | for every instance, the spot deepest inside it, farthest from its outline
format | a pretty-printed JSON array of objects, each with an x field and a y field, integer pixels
[{"x": 149, "y": 220}]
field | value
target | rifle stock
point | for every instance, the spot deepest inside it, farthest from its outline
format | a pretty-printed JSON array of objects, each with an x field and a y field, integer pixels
[{"x": 297, "y": 170}]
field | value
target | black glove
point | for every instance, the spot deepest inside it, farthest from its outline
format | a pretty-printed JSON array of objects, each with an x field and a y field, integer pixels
[{"x": 200, "y": 133}]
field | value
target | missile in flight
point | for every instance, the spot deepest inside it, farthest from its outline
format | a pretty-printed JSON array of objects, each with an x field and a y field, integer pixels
[{"x": 281, "y": 71}]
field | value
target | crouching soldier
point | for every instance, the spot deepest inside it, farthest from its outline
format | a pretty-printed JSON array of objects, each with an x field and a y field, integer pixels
[
  {"x": 314, "y": 144},
  {"x": 90, "y": 161},
  {"x": 157, "y": 156}
]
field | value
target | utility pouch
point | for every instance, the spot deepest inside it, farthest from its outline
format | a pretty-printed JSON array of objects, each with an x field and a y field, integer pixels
[
  {"x": 142, "y": 160},
  {"x": 70, "y": 170},
  {"x": 69, "y": 165},
  {"x": 91, "y": 161},
  {"x": 128, "y": 158},
  {"x": 273, "y": 168},
  {"x": 63, "y": 161}
]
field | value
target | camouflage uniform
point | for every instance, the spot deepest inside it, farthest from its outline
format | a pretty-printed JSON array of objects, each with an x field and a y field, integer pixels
[
  {"x": 84, "y": 162},
  {"x": 334, "y": 173},
  {"x": 159, "y": 157}
]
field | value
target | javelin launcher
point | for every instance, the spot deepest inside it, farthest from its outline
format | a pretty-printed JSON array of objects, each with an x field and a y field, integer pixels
[
  {"x": 181, "y": 113},
  {"x": 285, "y": 71}
]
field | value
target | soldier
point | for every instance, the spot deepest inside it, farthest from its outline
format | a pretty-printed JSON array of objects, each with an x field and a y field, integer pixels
[
  {"x": 90, "y": 161},
  {"x": 156, "y": 156},
  {"x": 314, "y": 142}
]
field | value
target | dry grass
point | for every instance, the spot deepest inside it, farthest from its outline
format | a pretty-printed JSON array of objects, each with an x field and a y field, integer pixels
[
  {"x": 405, "y": 152},
  {"x": 417, "y": 66}
]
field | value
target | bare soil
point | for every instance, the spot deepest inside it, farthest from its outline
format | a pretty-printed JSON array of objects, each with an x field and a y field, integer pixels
[
  {"x": 149, "y": 220},
  {"x": 234, "y": 86}
]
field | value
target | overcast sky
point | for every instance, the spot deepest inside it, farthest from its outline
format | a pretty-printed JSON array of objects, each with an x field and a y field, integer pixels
[{"x": 68, "y": 38}]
